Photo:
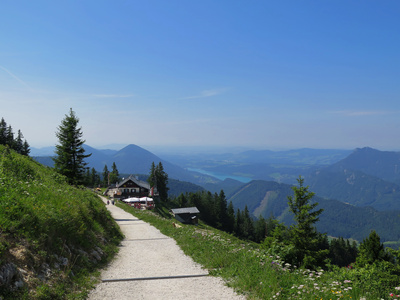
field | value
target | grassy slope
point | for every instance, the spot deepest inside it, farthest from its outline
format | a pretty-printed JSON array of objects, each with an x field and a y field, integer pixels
[
  {"x": 50, "y": 230},
  {"x": 252, "y": 270}
]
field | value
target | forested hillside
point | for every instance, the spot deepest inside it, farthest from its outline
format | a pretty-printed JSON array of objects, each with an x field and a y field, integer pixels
[
  {"x": 356, "y": 188},
  {"x": 381, "y": 164},
  {"x": 268, "y": 198}
]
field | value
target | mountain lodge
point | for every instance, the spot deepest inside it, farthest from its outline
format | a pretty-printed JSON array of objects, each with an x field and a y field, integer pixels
[{"x": 128, "y": 188}]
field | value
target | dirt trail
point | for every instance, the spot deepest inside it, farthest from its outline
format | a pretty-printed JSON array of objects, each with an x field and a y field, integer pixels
[{"x": 150, "y": 265}]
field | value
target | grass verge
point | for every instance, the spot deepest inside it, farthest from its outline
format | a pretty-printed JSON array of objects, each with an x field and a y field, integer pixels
[{"x": 251, "y": 270}]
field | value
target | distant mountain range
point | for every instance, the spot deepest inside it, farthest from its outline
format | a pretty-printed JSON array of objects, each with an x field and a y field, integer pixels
[
  {"x": 267, "y": 198},
  {"x": 359, "y": 190},
  {"x": 131, "y": 159},
  {"x": 367, "y": 177},
  {"x": 280, "y": 166},
  {"x": 381, "y": 164}
]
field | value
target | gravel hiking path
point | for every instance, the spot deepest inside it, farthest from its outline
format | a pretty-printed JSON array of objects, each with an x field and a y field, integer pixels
[{"x": 150, "y": 265}]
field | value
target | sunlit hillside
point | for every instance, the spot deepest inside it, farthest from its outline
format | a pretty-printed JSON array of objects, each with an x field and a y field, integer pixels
[{"x": 52, "y": 234}]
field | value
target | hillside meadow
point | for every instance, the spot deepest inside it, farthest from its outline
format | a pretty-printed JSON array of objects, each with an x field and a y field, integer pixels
[
  {"x": 251, "y": 268},
  {"x": 53, "y": 236}
]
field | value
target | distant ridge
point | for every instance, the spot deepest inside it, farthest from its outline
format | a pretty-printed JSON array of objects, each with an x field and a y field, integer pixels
[
  {"x": 133, "y": 159},
  {"x": 367, "y": 177},
  {"x": 382, "y": 164},
  {"x": 268, "y": 198}
]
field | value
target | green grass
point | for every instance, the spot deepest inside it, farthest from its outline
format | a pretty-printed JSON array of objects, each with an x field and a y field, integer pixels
[
  {"x": 251, "y": 270},
  {"x": 44, "y": 220}
]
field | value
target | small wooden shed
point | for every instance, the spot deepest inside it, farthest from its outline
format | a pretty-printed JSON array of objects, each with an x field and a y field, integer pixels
[{"x": 186, "y": 215}]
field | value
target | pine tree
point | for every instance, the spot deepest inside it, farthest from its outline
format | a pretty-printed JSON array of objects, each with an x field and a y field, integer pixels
[
  {"x": 7, "y": 138},
  {"x": 106, "y": 173},
  {"x": 162, "y": 182},
  {"x": 260, "y": 229},
  {"x": 87, "y": 180},
  {"x": 238, "y": 223},
  {"x": 230, "y": 224},
  {"x": 158, "y": 179},
  {"x": 305, "y": 236},
  {"x": 371, "y": 250},
  {"x": 114, "y": 174},
  {"x": 94, "y": 178},
  {"x": 70, "y": 154},
  {"x": 248, "y": 225},
  {"x": 152, "y": 176},
  {"x": 10, "y": 137},
  {"x": 3, "y": 132},
  {"x": 182, "y": 200},
  {"x": 25, "y": 148},
  {"x": 18, "y": 143},
  {"x": 222, "y": 210}
]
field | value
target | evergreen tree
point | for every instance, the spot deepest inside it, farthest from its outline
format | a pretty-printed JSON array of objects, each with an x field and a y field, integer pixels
[
  {"x": 222, "y": 210},
  {"x": 238, "y": 223},
  {"x": 248, "y": 225},
  {"x": 18, "y": 143},
  {"x": 162, "y": 182},
  {"x": 371, "y": 250},
  {"x": 3, "y": 132},
  {"x": 260, "y": 229},
  {"x": 87, "y": 180},
  {"x": 304, "y": 235},
  {"x": 25, "y": 148},
  {"x": 10, "y": 137},
  {"x": 182, "y": 200},
  {"x": 114, "y": 174},
  {"x": 70, "y": 154},
  {"x": 341, "y": 252},
  {"x": 7, "y": 138},
  {"x": 152, "y": 176},
  {"x": 270, "y": 224},
  {"x": 106, "y": 181},
  {"x": 94, "y": 178},
  {"x": 230, "y": 223}
]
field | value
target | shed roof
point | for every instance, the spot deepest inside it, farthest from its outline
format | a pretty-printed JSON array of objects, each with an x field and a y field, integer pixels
[{"x": 185, "y": 210}]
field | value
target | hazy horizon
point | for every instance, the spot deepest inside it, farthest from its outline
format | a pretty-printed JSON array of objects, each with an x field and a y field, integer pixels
[
  {"x": 256, "y": 75},
  {"x": 175, "y": 150}
]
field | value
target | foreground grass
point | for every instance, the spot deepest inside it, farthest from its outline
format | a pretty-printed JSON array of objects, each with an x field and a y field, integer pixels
[
  {"x": 55, "y": 233},
  {"x": 252, "y": 271}
]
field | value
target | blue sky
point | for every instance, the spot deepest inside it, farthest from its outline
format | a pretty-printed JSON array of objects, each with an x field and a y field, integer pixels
[{"x": 255, "y": 74}]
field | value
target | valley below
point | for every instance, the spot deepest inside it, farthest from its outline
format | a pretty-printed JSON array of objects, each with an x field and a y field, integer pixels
[{"x": 358, "y": 189}]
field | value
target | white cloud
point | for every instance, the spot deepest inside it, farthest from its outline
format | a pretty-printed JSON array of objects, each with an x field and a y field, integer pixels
[
  {"x": 207, "y": 93},
  {"x": 356, "y": 113},
  {"x": 15, "y": 77},
  {"x": 112, "y": 96}
]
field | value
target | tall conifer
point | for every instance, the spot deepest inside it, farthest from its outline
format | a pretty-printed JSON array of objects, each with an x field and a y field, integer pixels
[
  {"x": 304, "y": 234},
  {"x": 70, "y": 154}
]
